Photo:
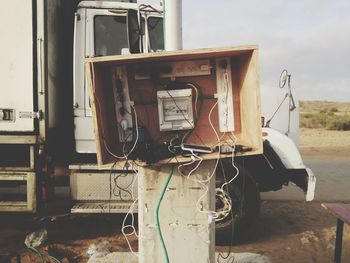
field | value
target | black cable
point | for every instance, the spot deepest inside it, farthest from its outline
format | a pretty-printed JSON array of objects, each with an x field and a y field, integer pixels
[
  {"x": 110, "y": 185},
  {"x": 122, "y": 189},
  {"x": 232, "y": 218}
]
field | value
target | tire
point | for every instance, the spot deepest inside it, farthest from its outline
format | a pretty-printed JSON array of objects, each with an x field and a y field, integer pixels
[{"x": 245, "y": 198}]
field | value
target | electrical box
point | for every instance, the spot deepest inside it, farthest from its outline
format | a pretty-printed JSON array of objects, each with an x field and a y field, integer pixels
[
  {"x": 205, "y": 97},
  {"x": 175, "y": 110}
]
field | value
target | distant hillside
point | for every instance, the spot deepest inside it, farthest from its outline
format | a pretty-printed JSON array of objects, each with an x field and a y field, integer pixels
[
  {"x": 317, "y": 106},
  {"x": 325, "y": 115}
]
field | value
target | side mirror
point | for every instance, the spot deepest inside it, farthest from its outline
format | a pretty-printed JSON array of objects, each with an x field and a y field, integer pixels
[{"x": 134, "y": 33}]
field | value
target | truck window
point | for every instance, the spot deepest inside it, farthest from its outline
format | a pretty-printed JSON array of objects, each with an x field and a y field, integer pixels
[
  {"x": 155, "y": 31},
  {"x": 110, "y": 35}
]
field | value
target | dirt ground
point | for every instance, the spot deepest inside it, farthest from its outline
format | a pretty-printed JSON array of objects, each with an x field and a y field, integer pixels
[
  {"x": 286, "y": 231},
  {"x": 320, "y": 143}
]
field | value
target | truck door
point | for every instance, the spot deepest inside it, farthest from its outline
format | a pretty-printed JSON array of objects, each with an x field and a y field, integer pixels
[
  {"x": 103, "y": 33},
  {"x": 17, "y": 66},
  {"x": 106, "y": 35}
]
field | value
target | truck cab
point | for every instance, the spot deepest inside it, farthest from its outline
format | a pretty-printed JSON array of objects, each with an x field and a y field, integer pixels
[{"x": 102, "y": 29}]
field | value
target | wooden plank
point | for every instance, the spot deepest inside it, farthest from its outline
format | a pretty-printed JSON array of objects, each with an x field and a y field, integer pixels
[
  {"x": 18, "y": 139},
  {"x": 250, "y": 99},
  {"x": 13, "y": 203},
  {"x": 178, "y": 54},
  {"x": 13, "y": 176},
  {"x": 20, "y": 206},
  {"x": 339, "y": 210},
  {"x": 16, "y": 168},
  {"x": 32, "y": 157},
  {"x": 14, "y": 206},
  {"x": 31, "y": 192}
]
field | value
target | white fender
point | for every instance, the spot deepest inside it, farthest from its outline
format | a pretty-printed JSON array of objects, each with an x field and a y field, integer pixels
[
  {"x": 290, "y": 156},
  {"x": 285, "y": 148}
]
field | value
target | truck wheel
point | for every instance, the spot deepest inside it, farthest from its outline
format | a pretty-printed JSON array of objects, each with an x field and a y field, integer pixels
[{"x": 245, "y": 200}]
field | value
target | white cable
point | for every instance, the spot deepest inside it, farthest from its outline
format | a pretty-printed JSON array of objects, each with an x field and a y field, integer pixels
[
  {"x": 203, "y": 182},
  {"x": 232, "y": 162},
  {"x": 194, "y": 158},
  {"x": 132, "y": 226},
  {"x": 228, "y": 201},
  {"x": 219, "y": 146}
]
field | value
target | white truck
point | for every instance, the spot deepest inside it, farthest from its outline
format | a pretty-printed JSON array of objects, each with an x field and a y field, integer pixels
[{"x": 46, "y": 119}]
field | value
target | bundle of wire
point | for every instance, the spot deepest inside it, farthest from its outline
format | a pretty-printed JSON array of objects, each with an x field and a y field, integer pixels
[
  {"x": 125, "y": 157},
  {"x": 190, "y": 175},
  {"x": 204, "y": 182}
]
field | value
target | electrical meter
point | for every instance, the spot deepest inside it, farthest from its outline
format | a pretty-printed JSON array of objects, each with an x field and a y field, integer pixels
[{"x": 175, "y": 109}]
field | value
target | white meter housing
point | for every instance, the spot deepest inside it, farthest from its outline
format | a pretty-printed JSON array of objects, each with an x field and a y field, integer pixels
[{"x": 175, "y": 109}]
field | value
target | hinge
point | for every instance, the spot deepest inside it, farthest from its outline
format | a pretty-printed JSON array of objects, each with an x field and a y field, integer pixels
[
  {"x": 31, "y": 115},
  {"x": 77, "y": 15}
]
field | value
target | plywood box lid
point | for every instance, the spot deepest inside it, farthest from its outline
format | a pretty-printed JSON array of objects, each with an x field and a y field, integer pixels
[
  {"x": 245, "y": 91},
  {"x": 188, "y": 54}
]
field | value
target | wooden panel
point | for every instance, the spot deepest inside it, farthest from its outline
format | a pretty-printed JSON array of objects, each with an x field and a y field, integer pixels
[
  {"x": 143, "y": 93},
  {"x": 15, "y": 139}
]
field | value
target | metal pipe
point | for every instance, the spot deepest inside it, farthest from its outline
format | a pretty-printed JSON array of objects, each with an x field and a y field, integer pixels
[{"x": 172, "y": 24}]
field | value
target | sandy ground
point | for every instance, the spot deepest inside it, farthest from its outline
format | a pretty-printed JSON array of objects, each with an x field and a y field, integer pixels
[
  {"x": 324, "y": 144},
  {"x": 287, "y": 230}
]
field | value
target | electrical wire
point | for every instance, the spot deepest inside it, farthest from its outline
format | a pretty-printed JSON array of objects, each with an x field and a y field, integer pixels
[
  {"x": 220, "y": 255},
  {"x": 157, "y": 213},
  {"x": 110, "y": 185},
  {"x": 130, "y": 226},
  {"x": 199, "y": 206},
  {"x": 233, "y": 163},
  {"x": 42, "y": 255},
  {"x": 134, "y": 145},
  {"x": 196, "y": 98},
  {"x": 131, "y": 214},
  {"x": 199, "y": 91},
  {"x": 124, "y": 189},
  {"x": 194, "y": 158}
]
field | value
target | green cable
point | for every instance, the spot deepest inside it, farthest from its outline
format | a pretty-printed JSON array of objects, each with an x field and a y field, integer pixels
[
  {"x": 41, "y": 255},
  {"x": 38, "y": 253},
  {"x": 157, "y": 212}
]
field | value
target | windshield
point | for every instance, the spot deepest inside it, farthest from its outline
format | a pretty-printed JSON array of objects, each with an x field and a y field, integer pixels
[
  {"x": 110, "y": 35},
  {"x": 155, "y": 32}
]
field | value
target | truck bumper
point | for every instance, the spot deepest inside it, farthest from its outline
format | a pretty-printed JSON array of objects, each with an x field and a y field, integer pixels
[
  {"x": 311, "y": 185},
  {"x": 305, "y": 179}
]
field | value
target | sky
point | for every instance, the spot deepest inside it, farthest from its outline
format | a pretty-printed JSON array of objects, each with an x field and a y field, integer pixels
[{"x": 309, "y": 38}]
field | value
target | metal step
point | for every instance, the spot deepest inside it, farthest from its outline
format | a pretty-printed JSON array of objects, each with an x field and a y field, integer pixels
[{"x": 103, "y": 207}]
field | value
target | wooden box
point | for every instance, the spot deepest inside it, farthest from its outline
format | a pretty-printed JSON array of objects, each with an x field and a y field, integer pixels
[{"x": 222, "y": 89}]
